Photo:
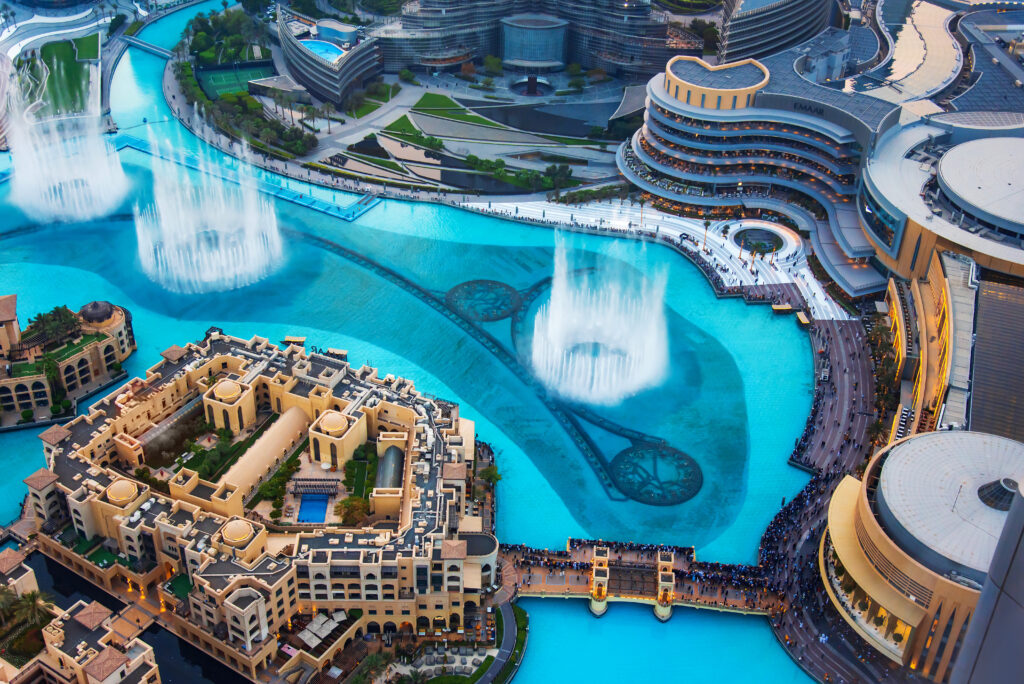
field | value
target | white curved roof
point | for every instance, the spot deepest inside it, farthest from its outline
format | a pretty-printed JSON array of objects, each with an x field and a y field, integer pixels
[
  {"x": 987, "y": 175},
  {"x": 930, "y": 484}
]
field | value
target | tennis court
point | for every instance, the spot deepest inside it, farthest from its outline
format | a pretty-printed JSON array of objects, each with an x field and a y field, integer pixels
[{"x": 216, "y": 83}]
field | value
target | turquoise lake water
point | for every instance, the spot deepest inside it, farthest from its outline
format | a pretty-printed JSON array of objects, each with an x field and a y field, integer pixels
[{"x": 734, "y": 401}]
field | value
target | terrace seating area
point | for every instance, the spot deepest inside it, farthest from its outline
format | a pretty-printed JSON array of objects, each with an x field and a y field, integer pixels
[
  {"x": 320, "y": 633},
  {"x": 327, "y": 486}
]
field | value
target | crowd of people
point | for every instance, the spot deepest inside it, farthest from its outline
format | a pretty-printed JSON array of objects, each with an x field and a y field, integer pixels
[{"x": 640, "y": 551}]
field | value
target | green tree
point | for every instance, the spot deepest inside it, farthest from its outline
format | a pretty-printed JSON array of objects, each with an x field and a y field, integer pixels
[
  {"x": 33, "y": 607},
  {"x": 8, "y": 599},
  {"x": 352, "y": 510},
  {"x": 374, "y": 664},
  {"x": 407, "y": 76},
  {"x": 574, "y": 69},
  {"x": 26, "y": 415},
  {"x": 490, "y": 475},
  {"x": 492, "y": 65}
]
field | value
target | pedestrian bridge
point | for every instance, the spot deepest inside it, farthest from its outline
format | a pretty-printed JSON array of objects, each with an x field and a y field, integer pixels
[
  {"x": 660, "y": 577},
  {"x": 148, "y": 47}
]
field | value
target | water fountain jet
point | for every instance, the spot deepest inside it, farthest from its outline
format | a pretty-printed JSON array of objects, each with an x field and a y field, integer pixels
[
  {"x": 211, "y": 235},
  {"x": 602, "y": 335},
  {"x": 64, "y": 169}
]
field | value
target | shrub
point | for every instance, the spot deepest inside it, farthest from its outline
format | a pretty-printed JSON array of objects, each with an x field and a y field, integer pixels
[
  {"x": 116, "y": 23},
  {"x": 26, "y": 415},
  {"x": 407, "y": 76}
]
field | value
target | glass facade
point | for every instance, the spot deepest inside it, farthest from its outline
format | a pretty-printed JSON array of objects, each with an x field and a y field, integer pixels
[{"x": 883, "y": 226}]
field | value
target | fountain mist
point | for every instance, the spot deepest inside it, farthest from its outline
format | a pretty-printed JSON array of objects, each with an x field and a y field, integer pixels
[
  {"x": 602, "y": 336},
  {"x": 64, "y": 168},
  {"x": 215, "y": 234}
]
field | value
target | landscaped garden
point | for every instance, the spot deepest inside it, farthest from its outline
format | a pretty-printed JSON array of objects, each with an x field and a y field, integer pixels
[
  {"x": 21, "y": 622},
  {"x": 67, "y": 85},
  {"x": 445, "y": 107}
]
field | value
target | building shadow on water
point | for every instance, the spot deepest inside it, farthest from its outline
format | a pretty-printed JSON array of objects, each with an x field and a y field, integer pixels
[{"x": 180, "y": 662}]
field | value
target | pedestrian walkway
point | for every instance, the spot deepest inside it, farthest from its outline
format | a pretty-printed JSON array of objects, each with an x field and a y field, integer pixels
[{"x": 738, "y": 268}]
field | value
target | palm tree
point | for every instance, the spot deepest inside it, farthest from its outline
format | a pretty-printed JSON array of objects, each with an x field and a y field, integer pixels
[
  {"x": 374, "y": 664},
  {"x": 328, "y": 111},
  {"x": 7, "y": 600},
  {"x": 33, "y": 607},
  {"x": 415, "y": 677}
]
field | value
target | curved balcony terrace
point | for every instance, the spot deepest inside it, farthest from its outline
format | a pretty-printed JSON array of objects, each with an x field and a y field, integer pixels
[
  {"x": 756, "y": 126},
  {"x": 768, "y": 152},
  {"x": 669, "y": 164}
]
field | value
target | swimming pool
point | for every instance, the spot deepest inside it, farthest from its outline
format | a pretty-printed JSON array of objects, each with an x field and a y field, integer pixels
[
  {"x": 313, "y": 508},
  {"x": 323, "y": 49}
]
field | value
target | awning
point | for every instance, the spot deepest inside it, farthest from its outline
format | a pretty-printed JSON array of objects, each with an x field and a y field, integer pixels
[{"x": 471, "y": 576}]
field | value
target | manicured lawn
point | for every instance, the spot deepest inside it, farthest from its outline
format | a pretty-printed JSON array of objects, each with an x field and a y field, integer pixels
[
  {"x": 385, "y": 163},
  {"x": 72, "y": 348},
  {"x": 464, "y": 115},
  {"x": 181, "y": 586},
  {"x": 401, "y": 125},
  {"x": 570, "y": 141},
  {"x": 444, "y": 106},
  {"x": 23, "y": 370},
  {"x": 366, "y": 108},
  {"x": 84, "y": 545},
  {"x": 67, "y": 86},
  {"x": 436, "y": 101},
  {"x": 103, "y": 558},
  {"x": 359, "y": 478},
  {"x": 88, "y": 47}
]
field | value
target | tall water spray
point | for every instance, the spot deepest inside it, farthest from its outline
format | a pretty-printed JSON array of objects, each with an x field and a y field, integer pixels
[
  {"x": 213, "y": 234},
  {"x": 602, "y": 335},
  {"x": 64, "y": 167}
]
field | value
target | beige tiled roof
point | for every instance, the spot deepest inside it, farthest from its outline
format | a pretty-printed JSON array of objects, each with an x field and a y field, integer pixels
[
  {"x": 8, "y": 308},
  {"x": 10, "y": 559},
  {"x": 454, "y": 471},
  {"x": 173, "y": 353},
  {"x": 55, "y": 434},
  {"x": 92, "y": 615},
  {"x": 453, "y": 549},
  {"x": 41, "y": 479},
  {"x": 105, "y": 663}
]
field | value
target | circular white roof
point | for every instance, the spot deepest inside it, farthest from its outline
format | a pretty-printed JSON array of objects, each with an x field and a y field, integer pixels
[
  {"x": 987, "y": 175},
  {"x": 930, "y": 485}
]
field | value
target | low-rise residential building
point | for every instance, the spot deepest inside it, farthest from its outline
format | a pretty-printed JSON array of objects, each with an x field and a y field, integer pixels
[{"x": 257, "y": 594}]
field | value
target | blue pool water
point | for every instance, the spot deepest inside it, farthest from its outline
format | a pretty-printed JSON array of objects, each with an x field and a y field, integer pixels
[
  {"x": 313, "y": 508},
  {"x": 324, "y": 50},
  {"x": 732, "y": 403}
]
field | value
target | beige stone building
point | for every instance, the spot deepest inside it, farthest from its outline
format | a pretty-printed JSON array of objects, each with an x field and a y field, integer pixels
[
  {"x": 84, "y": 363},
  {"x": 248, "y": 591},
  {"x": 907, "y": 549}
]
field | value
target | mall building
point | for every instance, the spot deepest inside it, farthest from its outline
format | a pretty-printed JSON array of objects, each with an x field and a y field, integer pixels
[
  {"x": 878, "y": 176},
  {"x": 908, "y": 548},
  {"x": 264, "y": 598},
  {"x": 624, "y": 39}
]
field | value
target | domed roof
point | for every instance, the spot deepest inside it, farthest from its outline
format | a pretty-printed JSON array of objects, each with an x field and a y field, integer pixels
[
  {"x": 936, "y": 495},
  {"x": 237, "y": 532},
  {"x": 122, "y": 492},
  {"x": 96, "y": 312},
  {"x": 333, "y": 422},
  {"x": 226, "y": 390}
]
